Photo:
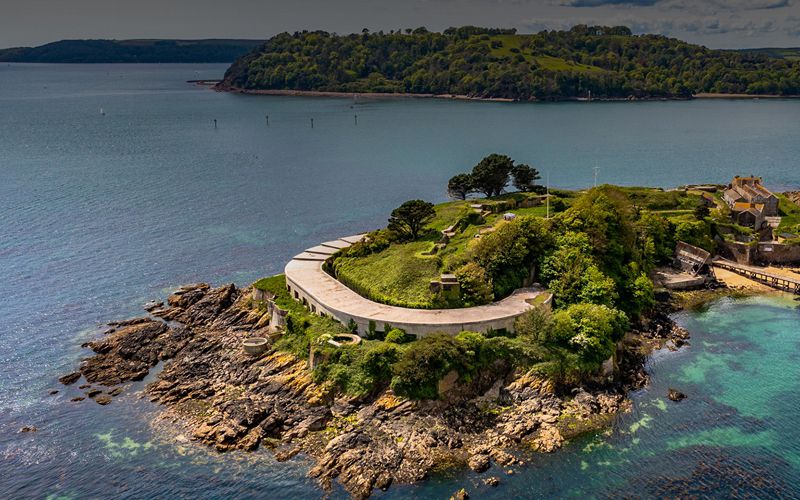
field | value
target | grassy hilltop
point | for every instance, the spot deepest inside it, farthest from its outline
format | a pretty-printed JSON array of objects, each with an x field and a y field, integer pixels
[{"x": 609, "y": 62}]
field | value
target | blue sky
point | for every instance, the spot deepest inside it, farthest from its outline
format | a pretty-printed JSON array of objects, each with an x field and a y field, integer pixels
[{"x": 715, "y": 23}]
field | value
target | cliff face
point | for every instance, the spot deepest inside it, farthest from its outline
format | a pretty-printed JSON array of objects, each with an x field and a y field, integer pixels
[{"x": 231, "y": 400}]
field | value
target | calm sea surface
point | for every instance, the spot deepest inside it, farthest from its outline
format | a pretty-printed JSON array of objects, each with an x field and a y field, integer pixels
[{"x": 115, "y": 187}]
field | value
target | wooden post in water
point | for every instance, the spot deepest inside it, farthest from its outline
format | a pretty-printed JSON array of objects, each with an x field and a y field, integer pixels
[
  {"x": 312, "y": 123},
  {"x": 267, "y": 120},
  {"x": 355, "y": 119},
  {"x": 215, "y": 123}
]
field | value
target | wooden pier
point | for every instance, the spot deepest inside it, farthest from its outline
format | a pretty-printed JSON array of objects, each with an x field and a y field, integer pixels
[{"x": 760, "y": 275}]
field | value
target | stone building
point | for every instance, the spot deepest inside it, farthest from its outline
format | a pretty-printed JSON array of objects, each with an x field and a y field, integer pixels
[{"x": 750, "y": 202}]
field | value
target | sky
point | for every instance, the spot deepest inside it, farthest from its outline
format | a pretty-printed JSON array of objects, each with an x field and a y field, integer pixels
[{"x": 714, "y": 23}]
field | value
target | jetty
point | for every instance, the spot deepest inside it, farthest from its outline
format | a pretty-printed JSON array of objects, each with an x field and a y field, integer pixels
[{"x": 761, "y": 275}]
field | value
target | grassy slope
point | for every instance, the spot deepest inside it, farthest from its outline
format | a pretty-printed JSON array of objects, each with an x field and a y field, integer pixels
[
  {"x": 512, "y": 45},
  {"x": 790, "y": 213},
  {"x": 401, "y": 274}
]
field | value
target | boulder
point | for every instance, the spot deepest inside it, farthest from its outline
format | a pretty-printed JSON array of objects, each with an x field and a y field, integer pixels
[
  {"x": 70, "y": 378},
  {"x": 675, "y": 395},
  {"x": 102, "y": 399},
  {"x": 460, "y": 495},
  {"x": 492, "y": 481},
  {"x": 479, "y": 462}
]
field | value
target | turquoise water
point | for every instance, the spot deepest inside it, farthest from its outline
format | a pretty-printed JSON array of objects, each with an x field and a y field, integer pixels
[{"x": 102, "y": 212}]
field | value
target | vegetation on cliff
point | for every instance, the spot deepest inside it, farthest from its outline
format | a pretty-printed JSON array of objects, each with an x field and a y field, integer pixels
[
  {"x": 609, "y": 62},
  {"x": 595, "y": 254}
]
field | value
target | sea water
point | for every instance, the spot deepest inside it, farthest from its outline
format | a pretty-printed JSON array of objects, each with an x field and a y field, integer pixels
[{"x": 102, "y": 211}]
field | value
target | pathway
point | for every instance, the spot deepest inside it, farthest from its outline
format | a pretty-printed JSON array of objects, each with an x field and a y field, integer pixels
[{"x": 323, "y": 294}]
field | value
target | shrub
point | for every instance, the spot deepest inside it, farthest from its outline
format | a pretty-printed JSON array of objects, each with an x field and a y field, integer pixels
[
  {"x": 591, "y": 331},
  {"x": 535, "y": 324},
  {"x": 476, "y": 287},
  {"x": 424, "y": 363},
  {"x": 397, "y": 336}
]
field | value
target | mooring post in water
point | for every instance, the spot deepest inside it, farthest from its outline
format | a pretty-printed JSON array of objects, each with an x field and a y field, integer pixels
[
  {"x": 215, "y": 123},
  {"x": 355, "y": 119},
  {"x": 312, "y": 123},
  {"x": 267, "y": 120}
]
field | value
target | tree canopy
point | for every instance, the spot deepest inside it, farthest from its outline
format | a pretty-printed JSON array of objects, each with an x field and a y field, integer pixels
[
  {"x": 608, "y": 62},
  {"x": 410, "y": 217}
]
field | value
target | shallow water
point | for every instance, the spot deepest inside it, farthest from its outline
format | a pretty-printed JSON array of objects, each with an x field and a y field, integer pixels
[{"x": 101, "y": 212}]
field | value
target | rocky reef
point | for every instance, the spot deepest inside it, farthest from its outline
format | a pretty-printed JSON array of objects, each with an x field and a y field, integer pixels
[{"x": 228, "y": 399}]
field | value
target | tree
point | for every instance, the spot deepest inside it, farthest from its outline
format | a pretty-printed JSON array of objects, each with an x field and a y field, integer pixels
[
  {"x": 476, "y": 286},
  {"x": 490, "y": 176},
  {"x": 701, "y": 211},
  {"x": 525, "y": 177},
  {"x": 410, "y": 217},
  {"x": 459, "y": 186}
]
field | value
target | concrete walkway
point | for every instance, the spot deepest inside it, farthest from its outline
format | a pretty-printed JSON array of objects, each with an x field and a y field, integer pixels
[{"x": 323, "y": 294}]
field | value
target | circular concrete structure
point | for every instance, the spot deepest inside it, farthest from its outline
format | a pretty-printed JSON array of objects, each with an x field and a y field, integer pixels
[
  {"x": 308, "y": 283},
  {"x": 255, "y": 345}
]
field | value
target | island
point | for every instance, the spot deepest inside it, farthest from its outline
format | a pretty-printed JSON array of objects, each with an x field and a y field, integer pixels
[
  {"x": 131, "y": 51},
  {"x": 471, "y": 333},
  {"x": 585, "y": 62}
]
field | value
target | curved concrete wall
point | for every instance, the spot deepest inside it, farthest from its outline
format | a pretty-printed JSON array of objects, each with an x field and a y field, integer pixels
[{"x": 323, "y": 294}]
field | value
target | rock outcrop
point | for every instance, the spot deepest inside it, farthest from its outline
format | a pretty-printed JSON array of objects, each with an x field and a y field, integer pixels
[{"x": 231, "y": 400}]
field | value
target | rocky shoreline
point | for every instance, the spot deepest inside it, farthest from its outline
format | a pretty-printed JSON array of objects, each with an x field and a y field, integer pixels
[
  {"x": 230, "y": 400},
  {"x": 225, "y": 87}
]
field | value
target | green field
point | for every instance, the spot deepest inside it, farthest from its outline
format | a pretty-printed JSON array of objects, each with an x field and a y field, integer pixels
[
  {"x": 401, "y": 274},
  {"x": 512, "y": 45},
  {"x": 790, "y": 213}
]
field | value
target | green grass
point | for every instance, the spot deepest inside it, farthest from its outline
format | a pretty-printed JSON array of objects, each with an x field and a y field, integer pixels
[
  {"x": 399, "y": 275},
  {"x": 558, "y": 64},
  {"x": 512, "y": 46},
  {"x": 316, "y": 325},
  {"x": 448, "y": 213},
  {"x": 790, "y": 223},
  {"x": 658, "y": 199}
]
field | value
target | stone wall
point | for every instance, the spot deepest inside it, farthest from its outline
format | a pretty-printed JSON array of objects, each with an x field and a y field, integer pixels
[
  {"x": 417, "y": 329},
  {"x": 778, "y": 253},
  {"x": 763, "y": 253}
]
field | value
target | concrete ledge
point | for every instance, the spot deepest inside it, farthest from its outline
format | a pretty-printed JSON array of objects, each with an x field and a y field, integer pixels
[{"x": 323, "y": 294}]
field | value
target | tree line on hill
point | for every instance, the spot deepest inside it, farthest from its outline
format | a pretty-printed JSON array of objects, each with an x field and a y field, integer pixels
[
  {"x": 492, "y": 175},
  {"x": 131, "y": 51},
  {"x": 608, "y": 62}
]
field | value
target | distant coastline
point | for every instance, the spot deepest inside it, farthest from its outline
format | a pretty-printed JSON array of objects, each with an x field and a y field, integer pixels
[
  {"x": 131, "y": 51},
  {"x": 221, "y": 87}
]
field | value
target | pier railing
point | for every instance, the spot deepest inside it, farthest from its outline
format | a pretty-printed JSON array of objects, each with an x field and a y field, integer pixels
[{"x": 761, "y": 275}]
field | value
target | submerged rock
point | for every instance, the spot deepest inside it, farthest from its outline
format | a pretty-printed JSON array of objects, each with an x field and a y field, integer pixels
[
  {"x": 492, "y": 481},
  {"x": 460, "y": 495},
  {"x": 675, "y": 395},
  {"x": 479, "y": 463},
  {"x": 70, "y": 379}
]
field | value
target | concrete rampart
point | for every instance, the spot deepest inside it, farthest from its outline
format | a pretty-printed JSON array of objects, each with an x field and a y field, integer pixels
[{"x": 308, "y": 283}]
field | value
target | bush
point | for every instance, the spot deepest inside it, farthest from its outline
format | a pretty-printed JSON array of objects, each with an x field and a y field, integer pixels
[
  {"x": 591, "y": 331},
  {"x": 424, "y": 363},
  {"x": 397, "y": 336},
  {"x": 476, "y": 286},
  {"x": 535, "y": 324}
]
